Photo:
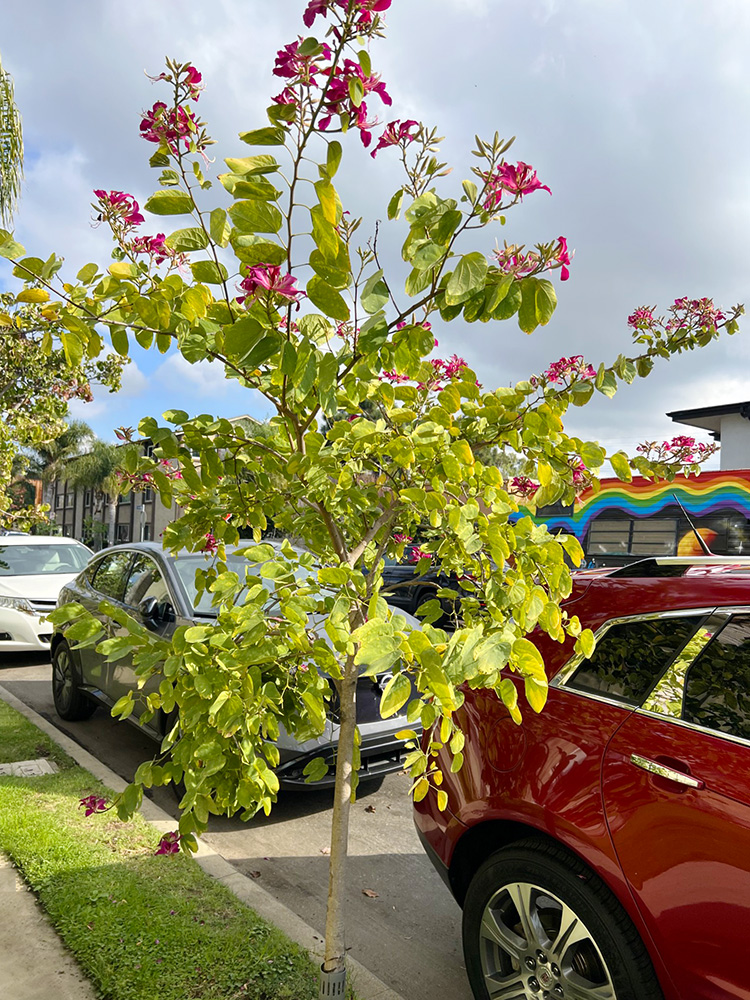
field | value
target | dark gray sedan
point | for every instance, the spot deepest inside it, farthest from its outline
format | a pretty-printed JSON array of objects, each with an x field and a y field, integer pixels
[{"x": 158, "y": 590}]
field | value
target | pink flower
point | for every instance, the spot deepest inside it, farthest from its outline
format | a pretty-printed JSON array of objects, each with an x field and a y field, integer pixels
[
  {"x": 193, "y": 81},
  {"x": 572, "y": 369},
  {"x": 400, "y": 539},
  {"x": 425, "y": 323},
  {"x": 563, "y": 256},
  {"x": 517, "y": 180},
  {"x": 524, "y": 486},
  {"x": 169, "y": 843},
  {"x": 287, "y": 96},
  {"x": 397, "y": 133},
  {"x": 269, "y": 277},
  {"x": 171, "y": 125},
  {"x": 156, "y": 247},
  {"x": 289, "y": 63},
  {"x": 416, "y": 554},
  {"x": 119, "y": 205},
  {"x": 366, "y": 8},
  {"x": 579, "y": 471},
  {"x": 211, "y": 545},
  {"x": 339, "y": 102},
  {"x": 395, "y": 378},
  {"x": 93, "y": 804},
  {"x": 641, "y": 318}
]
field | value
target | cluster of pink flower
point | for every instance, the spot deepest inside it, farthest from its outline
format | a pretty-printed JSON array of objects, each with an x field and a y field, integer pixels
[
  {"x": 120, "y": 208},
  {"x": 700, "y": 313},
  {"x": 512, "y": 260},
  {"x": 417, "y": 553},
  {"x": 573, "y": 369},
  {"x": 365, "y": 9},
  {"x": 169, "y": 843},
  {"x": 172, "y": 126},
  {"x": 523, "y": 486},
  {"x": 580, "y": 472},
  {"x": 339, "y": 99},
  {"x": 293, "y": 65},
  {"x": 511, "y": 179},
  {"x": 139, "y": 481},
  {"x": 449, "y": 369},
  {"x": 93, "y": 804},
  {"x": 211, "y": 545},
  {"x": 188, "y": 78},
  {"x": 268, "y": 277},
  {"x": 397, "y": 133},
  {"x": 156, "y": 247},
  {"x": 641, "y": 319},
  {"x": 401, "y": 539},
  {"x": 77, "y": 390},
  {"x": 681, "y": 449}
]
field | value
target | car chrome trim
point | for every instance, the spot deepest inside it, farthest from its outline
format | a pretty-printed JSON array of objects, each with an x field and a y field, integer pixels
[
  {"x": 705, "y": 730},
  {"x": 662, "y": 771},
  {"x": 568, "y": 669}
]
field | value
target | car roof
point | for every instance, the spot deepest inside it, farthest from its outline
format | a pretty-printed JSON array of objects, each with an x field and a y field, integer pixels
[{"x": 39, "y": 540}]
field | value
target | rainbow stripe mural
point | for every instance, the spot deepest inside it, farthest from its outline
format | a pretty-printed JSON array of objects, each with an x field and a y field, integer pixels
[{"x": 708, "y": 493}]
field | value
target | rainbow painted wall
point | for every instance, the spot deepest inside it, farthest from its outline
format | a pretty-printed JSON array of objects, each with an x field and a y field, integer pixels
[{"x": 699, "y": 495}]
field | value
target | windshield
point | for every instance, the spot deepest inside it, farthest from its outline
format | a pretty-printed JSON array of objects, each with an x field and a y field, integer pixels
[
  {"x": 188, "y": 562},
  {"x": 38, "y": 560}
]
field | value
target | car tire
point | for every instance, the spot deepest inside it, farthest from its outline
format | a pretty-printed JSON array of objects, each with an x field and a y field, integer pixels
[
  {"x": 71, "y": 703},
  {"x": 536, "y": 916}
]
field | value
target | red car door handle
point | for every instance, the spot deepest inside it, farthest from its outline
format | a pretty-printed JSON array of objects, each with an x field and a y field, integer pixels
[{"x": 662, "y": 771}]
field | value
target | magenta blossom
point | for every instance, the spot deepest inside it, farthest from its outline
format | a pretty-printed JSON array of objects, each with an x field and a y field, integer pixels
[
  {"x": 289, "y": 63},
  {"x": 425, "y": 323},
  {"x": 563, "y": 256},
  {"x": 514, "y": 179},
  {"x": 572, "y": 369},
  {"x": 641, "y": 318},
  {"x": 157, "y": 248},
  {"x": 339, "y": 101},
  {"x": 118, "y": 204},
  {"x": 365, "y": 8},
  {"x": 523, "y": 486},
  {"x": 579, "y": 471},
  {"x": 399, "y": 539},
  {"x": 169, "y": 843},
  {"x": 211, "y": 545},
  {"x": 93, "y": 804},
  {"x": 268, "y": 277},
  {"x": 699, "y": 313},
  {"x": 170, "y": 125},
  {"x": 416, "y": 554},
  {"x": 397, "y": 133}
]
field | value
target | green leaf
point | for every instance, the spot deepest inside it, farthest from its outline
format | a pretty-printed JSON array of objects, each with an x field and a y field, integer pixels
[
  {"x": 219, "y": 227},
  {"x": 186, "y": 240},
  {"x": 315, "y": 770},
  {"x": 536, "y": 692},
  {"x": 356, "y": 91},
  {"x": 527, "y": 659},
  {"x": 262, "y": 351},
  {"x": 427, "y": 256},
  {"x": 470, "y": 190},
  {"x": 257, "y": 250},
  {"x": 621, "y": 466},
  {"x": 585, "y": 643},
  {"x": 271, "y": 136},
  {"x": 248, "y": 165},
  {"x": 394, "y": 205},
  {"x": 537, "y": 304},
  {"x": 255, "y": 217},
  {"x": 468, "y": 278},
  {"x": 87, "y": 273},
  {"x": 328, "y": 201},
  {"x": 375, "y": 293},
  {"x": 73, "y": 348},
  {"x": 326, "y": 238},
  {"x": 209, "y": 271},
  {"x": 592, "y": 455},
  {"x": 373, "y": 333},
  {"x": 510, "y": 303},
  {"x": 327, "y": 299},
  {"x": 169, "y": 202},
  {"x": 334, "y": 157}
]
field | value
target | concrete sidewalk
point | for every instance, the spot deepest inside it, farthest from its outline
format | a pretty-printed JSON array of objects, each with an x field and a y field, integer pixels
[{"x": 34, "y": 963}]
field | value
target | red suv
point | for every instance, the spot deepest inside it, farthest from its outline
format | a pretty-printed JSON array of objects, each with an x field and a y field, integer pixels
[{"x": 601, "y": 851}]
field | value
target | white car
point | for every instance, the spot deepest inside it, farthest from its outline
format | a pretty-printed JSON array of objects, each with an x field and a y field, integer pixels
[{"x": 33, "y": 570}]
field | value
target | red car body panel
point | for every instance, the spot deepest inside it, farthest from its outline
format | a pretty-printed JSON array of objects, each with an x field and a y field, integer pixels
[{"x": 677, "y": 860}]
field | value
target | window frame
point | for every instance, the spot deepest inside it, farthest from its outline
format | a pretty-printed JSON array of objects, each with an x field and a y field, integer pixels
[
  {"x": 146, "y": 555},
  {"x": 95, "y": 572}
]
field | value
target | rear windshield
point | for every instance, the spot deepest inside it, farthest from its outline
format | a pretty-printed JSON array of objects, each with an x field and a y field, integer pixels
[{"x": 38, "y": 560}]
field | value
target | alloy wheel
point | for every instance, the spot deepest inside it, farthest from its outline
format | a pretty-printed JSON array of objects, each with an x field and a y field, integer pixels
[{"x": 533, "y": 946}]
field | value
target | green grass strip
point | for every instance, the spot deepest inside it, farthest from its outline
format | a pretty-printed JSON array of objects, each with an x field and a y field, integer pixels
[{"x": 140, "y": 926}]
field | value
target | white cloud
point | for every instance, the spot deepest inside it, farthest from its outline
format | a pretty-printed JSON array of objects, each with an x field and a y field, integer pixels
[{"x": 205, "y": 378}]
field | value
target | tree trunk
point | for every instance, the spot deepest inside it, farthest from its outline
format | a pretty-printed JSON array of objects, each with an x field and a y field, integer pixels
[
  {"x": 335, "y": 942},
  {"x": 111, "y": 518}
]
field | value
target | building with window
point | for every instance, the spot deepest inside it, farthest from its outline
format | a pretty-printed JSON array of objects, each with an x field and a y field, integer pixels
[{"x": 622, "y": 522}]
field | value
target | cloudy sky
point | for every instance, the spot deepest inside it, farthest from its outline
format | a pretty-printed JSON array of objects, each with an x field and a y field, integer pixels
[{"x": 634, "y": 112}]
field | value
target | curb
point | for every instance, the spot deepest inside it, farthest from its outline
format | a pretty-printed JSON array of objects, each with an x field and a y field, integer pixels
[{"x": 366, "y": 983}]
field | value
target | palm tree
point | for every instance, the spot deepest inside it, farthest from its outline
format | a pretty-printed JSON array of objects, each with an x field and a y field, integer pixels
[
  {"x": 11, "y": 149},
  {"x": 49, "y": 461},
  {"x": 96, "y": 470}
]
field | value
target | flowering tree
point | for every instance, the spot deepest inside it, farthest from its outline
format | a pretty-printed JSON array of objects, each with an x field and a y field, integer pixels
[{"x": 278, "y": 290}]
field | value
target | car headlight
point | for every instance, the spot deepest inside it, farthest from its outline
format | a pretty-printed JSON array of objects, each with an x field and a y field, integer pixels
[{"x": 17, "y": 604}]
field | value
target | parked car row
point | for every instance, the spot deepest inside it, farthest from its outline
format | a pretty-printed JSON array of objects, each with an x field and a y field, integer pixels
[{"x": 158, "y": 590}]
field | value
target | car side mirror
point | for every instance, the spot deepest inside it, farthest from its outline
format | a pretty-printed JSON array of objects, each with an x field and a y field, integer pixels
[{"x": 155, "y": 613}]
